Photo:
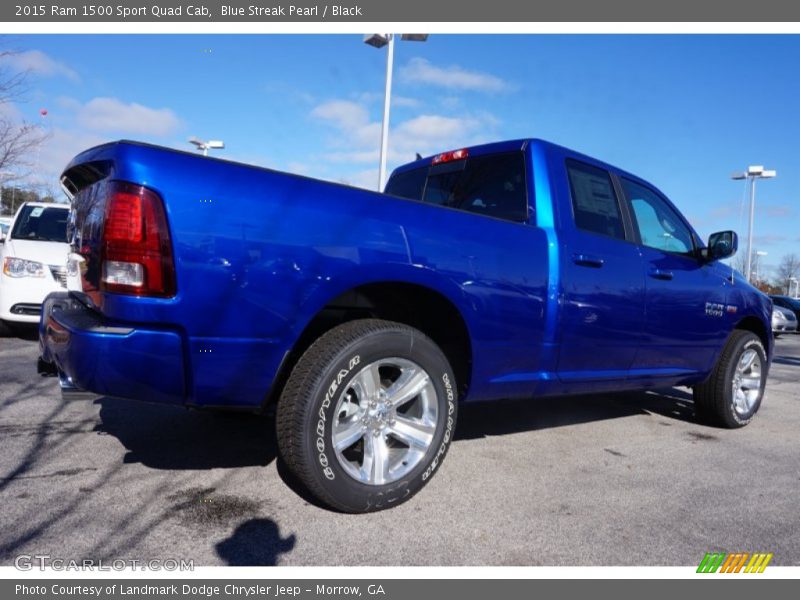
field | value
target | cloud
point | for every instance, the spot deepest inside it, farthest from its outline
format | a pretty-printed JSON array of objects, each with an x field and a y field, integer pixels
[
  {"x": 55, "y": 153},
  {"x": 342, "y": 113},
  {"x": 357, "y": 137},
  {"x": 405, "y": 101},
  {"x": 769, "y": 239},
  {"x": 419, "y": 70},
  {"x": 10, "y": 112},
  {"x": 351, "y": 120},
  {"x": 36, "y": 61},
  {"x": 425, "y": 129},
  {"x": 367, "y": 179},
  {"x": 74, "y": 126},
  {"x": 398, "y": 100},
  {"x": 723, "y": 211},
  {"x": 777, "y": 210},
  {"x": 112, "y": 115}
]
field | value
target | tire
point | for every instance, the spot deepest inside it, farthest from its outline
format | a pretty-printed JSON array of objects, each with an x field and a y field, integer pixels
[
  {"x": 343, "y": 386},
  {"x": 732, "y": 394}
]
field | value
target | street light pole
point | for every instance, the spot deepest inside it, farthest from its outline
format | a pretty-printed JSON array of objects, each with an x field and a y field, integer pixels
[
  {"x": 379, "y": 40},
  {"x": 758, "y": 255},
  {"x": 387, "y": 101},
  {"x": 793, "y": 283},
  {"x": 753, "y": 172}
]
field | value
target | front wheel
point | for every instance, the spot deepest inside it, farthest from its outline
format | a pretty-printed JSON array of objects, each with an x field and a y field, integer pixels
[
  {"x": 367, "y": 415},
  {"x": 733, "y": 393}
]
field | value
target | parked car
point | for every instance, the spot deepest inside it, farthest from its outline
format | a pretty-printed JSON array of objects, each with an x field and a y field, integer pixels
[
  {"x": 783, "y": 321},
  {"x": 792, "y": 304},
  {"x": 515, "y": 269},
  {"x": 34, "y": 261},
  {"x": 5, "y": 225}
]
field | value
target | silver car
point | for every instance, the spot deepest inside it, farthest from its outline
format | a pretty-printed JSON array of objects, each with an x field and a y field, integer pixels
[{"x": 783, "y": 320}]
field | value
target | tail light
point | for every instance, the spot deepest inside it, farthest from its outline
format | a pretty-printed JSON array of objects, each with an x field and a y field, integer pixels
[
  {"x": 136, "y": 255},
  {"x": 446, "y": 157}
]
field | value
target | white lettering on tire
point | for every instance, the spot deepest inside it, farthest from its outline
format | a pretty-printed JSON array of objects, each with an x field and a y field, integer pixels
[
  {"x": 326, "y": 402},
  {"x": 448, "y": 432}
]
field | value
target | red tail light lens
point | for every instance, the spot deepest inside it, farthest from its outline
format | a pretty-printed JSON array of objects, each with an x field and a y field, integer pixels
[
  {"x": 124, "y": 217},
  {"x": 136, "y": 250}
]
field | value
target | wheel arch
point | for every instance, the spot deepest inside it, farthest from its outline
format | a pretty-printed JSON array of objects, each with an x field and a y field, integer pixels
[
  {"x": 418, "y": 305},
  {"x": 756, "y": 326}
]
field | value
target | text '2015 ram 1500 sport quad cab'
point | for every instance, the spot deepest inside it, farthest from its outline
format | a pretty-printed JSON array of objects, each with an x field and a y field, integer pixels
[{"x": 508, "y": 270}]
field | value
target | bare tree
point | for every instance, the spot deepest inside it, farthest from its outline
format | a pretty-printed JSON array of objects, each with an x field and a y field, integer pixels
[
  {"x": 19, "y": 141},
  {"x": 739, "y": 260},
  {"x": 787, "y": 270}
]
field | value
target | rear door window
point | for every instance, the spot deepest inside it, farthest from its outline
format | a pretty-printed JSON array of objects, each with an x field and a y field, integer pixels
[
  {"x": 492, "y": 185},
  {"x": 594, "y": 203}
]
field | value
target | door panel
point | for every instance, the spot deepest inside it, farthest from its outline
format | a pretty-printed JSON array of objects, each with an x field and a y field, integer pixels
[
  {"x": 603, "y": 282},
  {"x": 685, "y": 323},
  {"x": 685, "y": 299}
]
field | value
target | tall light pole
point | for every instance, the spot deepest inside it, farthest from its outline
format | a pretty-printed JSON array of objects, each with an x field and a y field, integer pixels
[
  {"x": 379, "y": 40},
  {"x": 205, "y": 146},
  {"x": 793, "y": 280},
  {"x": 758, "y": 254},
  {"x": 753, "y": 172}
]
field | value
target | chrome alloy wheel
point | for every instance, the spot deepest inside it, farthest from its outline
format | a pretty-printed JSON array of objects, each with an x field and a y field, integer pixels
[
  {"x": 746, "y": 382},
  {"x": 385, "y": 421}
]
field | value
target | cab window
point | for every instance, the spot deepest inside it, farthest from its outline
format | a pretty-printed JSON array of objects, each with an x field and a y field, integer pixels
[{"x": 492, "y": 185}]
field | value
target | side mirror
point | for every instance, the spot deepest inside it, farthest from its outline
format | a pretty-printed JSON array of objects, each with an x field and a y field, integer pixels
[{"x": 722, "y": 244}]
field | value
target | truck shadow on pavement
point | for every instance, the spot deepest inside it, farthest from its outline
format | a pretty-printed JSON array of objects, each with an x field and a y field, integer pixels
[
  {"x": 791, "y": 361},
  {"x": 483, "y": 419},
  {"x": 172, "y": 437}
]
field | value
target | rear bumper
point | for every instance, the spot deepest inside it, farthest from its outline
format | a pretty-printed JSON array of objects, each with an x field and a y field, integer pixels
[{"x": 110, "y": 359}]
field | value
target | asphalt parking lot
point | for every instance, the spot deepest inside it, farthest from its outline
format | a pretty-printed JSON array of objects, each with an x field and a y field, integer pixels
[{"x": 603, "y": 480}]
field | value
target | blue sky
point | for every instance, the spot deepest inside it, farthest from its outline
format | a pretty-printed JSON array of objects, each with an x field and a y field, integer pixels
[{"x": 681, "y": 111}]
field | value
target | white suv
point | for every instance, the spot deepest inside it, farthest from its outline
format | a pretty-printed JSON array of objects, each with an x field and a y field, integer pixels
[{"x": 33, "y": 256}]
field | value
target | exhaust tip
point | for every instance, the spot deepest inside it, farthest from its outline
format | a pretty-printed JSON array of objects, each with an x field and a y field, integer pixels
[{"x": 69, "y": 391}]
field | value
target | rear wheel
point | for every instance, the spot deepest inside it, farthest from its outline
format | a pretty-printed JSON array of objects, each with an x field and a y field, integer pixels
[
  {"x": 733, "y": 393},
  {"x": 367, "y": 415}
]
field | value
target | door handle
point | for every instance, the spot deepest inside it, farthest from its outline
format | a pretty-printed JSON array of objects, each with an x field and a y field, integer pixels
[
  {"x": 659, "y": 274},
  {"x": 587, "y": 260}
]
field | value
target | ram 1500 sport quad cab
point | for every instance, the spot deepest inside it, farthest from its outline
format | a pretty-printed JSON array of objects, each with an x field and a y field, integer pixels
[{"x": 515, "y": 269}]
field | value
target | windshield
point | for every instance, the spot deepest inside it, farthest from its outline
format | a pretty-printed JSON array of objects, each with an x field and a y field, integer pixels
[{"x": 41, "y": 223}]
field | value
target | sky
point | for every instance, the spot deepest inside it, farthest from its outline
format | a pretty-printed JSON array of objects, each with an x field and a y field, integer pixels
[{"x": 683, "y": 112}]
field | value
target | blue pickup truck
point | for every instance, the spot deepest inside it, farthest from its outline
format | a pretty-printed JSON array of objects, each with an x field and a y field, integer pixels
[{"x": 518, "y": 269}]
